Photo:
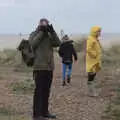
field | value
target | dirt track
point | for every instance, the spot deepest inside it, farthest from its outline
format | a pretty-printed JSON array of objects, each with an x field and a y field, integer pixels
[{"x": 69, "y": 103}]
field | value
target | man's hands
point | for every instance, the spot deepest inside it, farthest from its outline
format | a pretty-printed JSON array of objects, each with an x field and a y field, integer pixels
[{"x": 50, "y": 28}]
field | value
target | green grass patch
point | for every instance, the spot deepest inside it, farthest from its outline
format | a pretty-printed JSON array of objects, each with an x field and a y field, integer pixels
[
  {"x": 25, "y": 87},
  {"x": 7, "y": 111},
  {"x": 14, "y": 118},
  {"x": 113, "y": 109}
]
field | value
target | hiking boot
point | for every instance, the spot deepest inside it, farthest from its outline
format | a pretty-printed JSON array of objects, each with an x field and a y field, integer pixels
[
  {"x": 68, "y": 80},
  {"x": 64, "y": 83},
  {"x": 40, "y": 118},
  {"x": 50, "y": 116},
  {"x": 92, "y": 91}
]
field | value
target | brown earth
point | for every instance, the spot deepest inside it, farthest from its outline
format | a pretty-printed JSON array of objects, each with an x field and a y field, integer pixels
[{"x": 68, "y": 103}]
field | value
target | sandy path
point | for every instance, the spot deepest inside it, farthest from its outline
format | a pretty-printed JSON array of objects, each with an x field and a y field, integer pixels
[{"x": 69, "y": 103}]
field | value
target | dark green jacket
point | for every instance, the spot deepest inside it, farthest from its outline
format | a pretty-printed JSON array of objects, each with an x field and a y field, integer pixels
[{"x": 43, "y": 44}]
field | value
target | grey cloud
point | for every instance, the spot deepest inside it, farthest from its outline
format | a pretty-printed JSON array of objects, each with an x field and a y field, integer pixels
[{"x": 71, "y": 15}]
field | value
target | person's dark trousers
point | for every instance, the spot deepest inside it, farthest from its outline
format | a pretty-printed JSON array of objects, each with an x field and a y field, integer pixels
[
  {"x": 91, "y": 76},
  {"x": 43, "y": 80}
]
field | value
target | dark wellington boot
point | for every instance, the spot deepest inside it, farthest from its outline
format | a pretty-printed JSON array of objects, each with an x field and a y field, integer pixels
[
  {"x": 68, "y": 79},
  {"x": 64, "y": 83}
]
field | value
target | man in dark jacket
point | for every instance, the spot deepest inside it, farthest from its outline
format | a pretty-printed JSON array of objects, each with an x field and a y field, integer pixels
[
  {"x": 43, "y": 40},
  {"x": 67, "y": 52}
]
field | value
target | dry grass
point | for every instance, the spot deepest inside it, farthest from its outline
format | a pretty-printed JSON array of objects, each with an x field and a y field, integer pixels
[
  {"x": 112, "y": 61},
  {"x": 24, "y": 87}
]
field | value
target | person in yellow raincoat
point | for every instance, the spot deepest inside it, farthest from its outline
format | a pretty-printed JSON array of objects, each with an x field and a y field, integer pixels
[{"x": 93, "y": 56}]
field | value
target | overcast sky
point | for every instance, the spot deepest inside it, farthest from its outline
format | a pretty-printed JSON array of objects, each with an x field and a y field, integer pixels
[{"x": 74, "y": 16}]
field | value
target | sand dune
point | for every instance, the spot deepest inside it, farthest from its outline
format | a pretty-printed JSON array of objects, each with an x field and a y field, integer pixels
[{"x": 12, "y": 41}]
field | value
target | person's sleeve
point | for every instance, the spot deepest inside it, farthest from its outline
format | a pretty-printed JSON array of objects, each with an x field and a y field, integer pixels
[
  {"x": 74, "y": 53},
  {"x": 55, "y": 40},
  {"x": 90, "y": 49},
  {"x": 35, "y": 39},
  {"x": 60, "y": 51}
]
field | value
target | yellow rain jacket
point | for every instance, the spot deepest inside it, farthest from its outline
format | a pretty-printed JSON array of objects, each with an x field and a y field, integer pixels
[{"x": 93, "y": 51}]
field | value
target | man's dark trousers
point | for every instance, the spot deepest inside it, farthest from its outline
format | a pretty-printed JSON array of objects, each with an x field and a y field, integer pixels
[{"x": 43, "y": 81}]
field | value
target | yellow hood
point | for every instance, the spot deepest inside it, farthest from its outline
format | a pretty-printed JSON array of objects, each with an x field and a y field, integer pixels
[{"x": 94, "y": 30}]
